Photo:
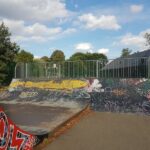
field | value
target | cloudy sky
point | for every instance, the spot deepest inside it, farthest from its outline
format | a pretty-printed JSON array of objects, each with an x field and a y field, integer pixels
[{"x": 104, "y": 26}]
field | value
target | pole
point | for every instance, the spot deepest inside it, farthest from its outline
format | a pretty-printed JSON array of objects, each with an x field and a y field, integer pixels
[
  {"x": 97, "y": 68},
  {"x": 26, "y": 70}
]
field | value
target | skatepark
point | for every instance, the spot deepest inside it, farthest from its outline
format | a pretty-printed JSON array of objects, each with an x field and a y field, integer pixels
[{"x": 40, "y": 107}]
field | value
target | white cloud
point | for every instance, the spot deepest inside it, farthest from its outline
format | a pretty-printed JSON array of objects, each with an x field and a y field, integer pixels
[
  {"x": 36, "y": 57},
  {"x": 84, "y": 47},
  {"x": 108, "y": 22},
  {"x": 136, "y": 8},
  {"x": 34, "y": 10},
  {"x": 135, "y": 40},
  {"x": 36, "y": 32},
  {"x": 103, "y": 51}
]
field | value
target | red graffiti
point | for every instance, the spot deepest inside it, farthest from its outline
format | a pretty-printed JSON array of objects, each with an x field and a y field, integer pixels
[{"x": 12, "y": 137}]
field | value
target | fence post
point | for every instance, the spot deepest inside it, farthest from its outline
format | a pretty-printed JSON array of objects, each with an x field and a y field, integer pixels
[
  {"x": 26, "y": 70},
  {"x": 148, "y": 67},
  {"x": 97, "y": 68},
  {"x": 16, "y": 71},
  {"x": 59, "y": 71}
]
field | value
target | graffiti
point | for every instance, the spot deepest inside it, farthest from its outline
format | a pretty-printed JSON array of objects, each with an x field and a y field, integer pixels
[
  {"x": 94, "y": 85},
  {"x": 148, "y": 95},
  {"x": 28, "y": 94},
  {"x": 11, "y": 137},
  {"x": 119, "y": 96},
  {"x": 4, "y": 95},
  {"x": 52, "y": 84},
  {"x": 80, "y": 94},
  {"x": 4, "y": 130},
  {"x": 119, "y": 92}
]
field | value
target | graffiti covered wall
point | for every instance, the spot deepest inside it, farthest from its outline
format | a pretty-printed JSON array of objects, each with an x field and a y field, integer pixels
[
  {"x": 115, "y": 95},
  {"x": 120, "y": 95}
]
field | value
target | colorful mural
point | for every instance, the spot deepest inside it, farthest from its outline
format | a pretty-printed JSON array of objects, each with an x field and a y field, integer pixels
[{"x": 12, "y": 137}]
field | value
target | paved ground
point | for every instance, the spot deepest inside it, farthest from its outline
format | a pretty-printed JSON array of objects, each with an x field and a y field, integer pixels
[
  {"x": 37, "y": 120},
  {"x": 106, "y": 131}
]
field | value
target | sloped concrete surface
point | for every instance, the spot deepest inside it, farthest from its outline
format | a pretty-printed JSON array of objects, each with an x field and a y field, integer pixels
[{"x": 38, "y": 120}]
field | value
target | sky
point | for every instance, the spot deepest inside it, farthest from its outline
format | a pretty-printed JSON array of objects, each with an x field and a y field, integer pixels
[{"x": 103, "y": 26}]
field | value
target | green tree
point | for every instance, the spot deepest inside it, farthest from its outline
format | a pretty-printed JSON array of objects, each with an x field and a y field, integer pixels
[
  {"x": 96, "y": 56},
  {"x": 78, "y": 56},
  {"x": 24, "y": 57},
  {"x": 87, "y": 56},
  {"x": 45, "y": 59},
  {"x": 57, "y": 56},
  {"x": 80, "y": 66},
  {"x": 147, "y": 37},
  {"x": 8, "y": 51},
  {"x": 125, "y": 52}
]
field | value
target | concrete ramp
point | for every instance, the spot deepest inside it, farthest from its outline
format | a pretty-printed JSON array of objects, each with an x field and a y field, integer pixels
[{"x": 39, "y": 107}]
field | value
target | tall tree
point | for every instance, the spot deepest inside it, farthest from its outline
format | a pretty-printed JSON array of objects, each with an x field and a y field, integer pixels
[
  {"x": 24, "y": 57},
  {"x": 96, "y": 56},
  {"x": 78, "y": 56},
  {"x": 147, "y": 37},
  {"x": 125, "y": 52},
  {"x": 87, "y": 56},
  {"x": 57, "y": 56},
  {"x": 45, "y": 59},
  {"x": 83, "y": 67},
  {"x": 8, "y": 51}
]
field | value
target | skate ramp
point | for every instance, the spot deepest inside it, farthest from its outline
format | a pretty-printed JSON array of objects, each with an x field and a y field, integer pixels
[{"x": 39, "y": 107}]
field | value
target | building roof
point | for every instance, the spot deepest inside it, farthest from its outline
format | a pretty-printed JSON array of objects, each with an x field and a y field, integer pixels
[{"x": 129, "y": 61}]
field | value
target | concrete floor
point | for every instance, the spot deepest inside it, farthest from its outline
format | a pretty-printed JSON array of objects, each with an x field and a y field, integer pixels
[{"x": 106, "y": 131}]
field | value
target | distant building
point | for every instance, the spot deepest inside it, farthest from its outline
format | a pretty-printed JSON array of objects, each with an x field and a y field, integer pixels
[{"x": 132, "y": 66}]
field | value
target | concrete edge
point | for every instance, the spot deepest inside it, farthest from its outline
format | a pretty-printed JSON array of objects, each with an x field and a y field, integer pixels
[{"x": 50, "y": 134}]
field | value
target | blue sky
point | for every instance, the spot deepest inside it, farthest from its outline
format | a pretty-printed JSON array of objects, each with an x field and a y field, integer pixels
[{"x": 104, "y": 26}]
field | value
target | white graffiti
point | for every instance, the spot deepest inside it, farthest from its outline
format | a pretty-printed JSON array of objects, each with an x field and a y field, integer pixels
[{"x": 96, "y": 86}]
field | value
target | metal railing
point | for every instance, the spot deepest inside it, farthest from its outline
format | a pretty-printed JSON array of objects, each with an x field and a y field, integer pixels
[{"x": 117, "y": 68}]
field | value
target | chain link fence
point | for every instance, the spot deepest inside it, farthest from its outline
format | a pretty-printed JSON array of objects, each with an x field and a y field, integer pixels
[{"x": 117, "y": 68}]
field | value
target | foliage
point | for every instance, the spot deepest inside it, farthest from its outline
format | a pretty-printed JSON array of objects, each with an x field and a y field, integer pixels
[
  {"x": 87, "y": 56},
  {"x": 78, "y": 56},
  {"x": 8, "y": 51},
  {"x": 83, "y": 67},
  {"x": 96, "y": 56},
  {"x": 125, "y": 52},
  {"x": 57, "y": 56},
  {"x": 24, "y": 57},
  {"x": 147, "y": 37},
  {"x": 45, "y": 59}
]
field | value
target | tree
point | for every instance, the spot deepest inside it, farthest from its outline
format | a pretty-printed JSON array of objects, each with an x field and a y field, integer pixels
[
  {"x": 24, "y": 57},
  {"x": 125, "y": 52},
  {"x": 8, "y": 51},
  {"x": 45, "y": 59},
  {"x": 82, "y": 67},
  {"x": 87, "y": 56},
  {"x": 57, "y": 56},
  {"x": 147, "y": 37},
  {"x": 78, "y": 56},
  {"x": 96, "y": 56}
]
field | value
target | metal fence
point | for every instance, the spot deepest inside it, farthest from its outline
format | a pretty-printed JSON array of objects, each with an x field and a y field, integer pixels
[{"x": 117, "y": 68}]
